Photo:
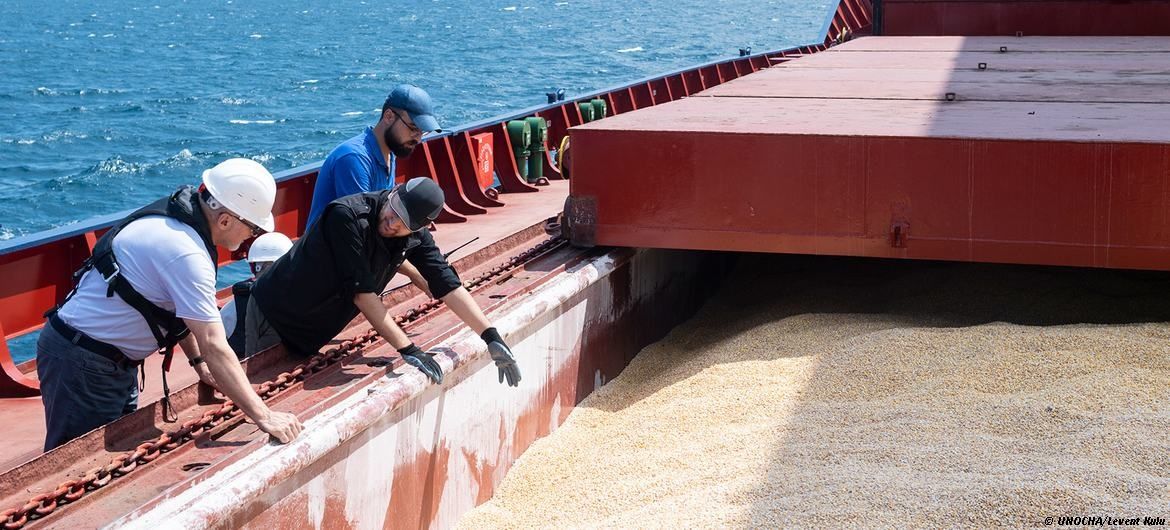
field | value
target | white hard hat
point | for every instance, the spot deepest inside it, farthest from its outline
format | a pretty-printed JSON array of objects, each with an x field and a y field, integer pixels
[
  {"x": 269, "y": 247},
  {"x": 244, "y": 187}
]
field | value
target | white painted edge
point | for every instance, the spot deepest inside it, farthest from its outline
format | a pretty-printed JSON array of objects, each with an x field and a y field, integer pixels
[{"x": 211, "y": 502}]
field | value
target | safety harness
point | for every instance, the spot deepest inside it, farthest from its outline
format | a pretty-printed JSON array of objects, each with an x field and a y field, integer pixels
[{"x": 183, "y": 205}]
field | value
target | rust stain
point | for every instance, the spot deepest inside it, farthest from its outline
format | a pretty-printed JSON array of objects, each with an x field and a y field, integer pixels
[
  {"x": 291, "y": 512},
  {"x": 418, "y": 488},
  {"x": 334, "y": 509},
  {"x": 482, "y": 473},
  {"x": 612, "y": 335}
]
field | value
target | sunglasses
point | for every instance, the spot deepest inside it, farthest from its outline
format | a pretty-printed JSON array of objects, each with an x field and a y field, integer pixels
[{"x": 256, "y": 230}]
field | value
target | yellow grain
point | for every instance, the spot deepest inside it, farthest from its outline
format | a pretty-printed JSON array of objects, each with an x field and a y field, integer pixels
[{"x": 862, "y": 394}]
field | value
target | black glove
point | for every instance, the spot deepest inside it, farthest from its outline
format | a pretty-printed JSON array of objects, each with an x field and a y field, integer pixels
[
  {"x": 425, "y": 362},
  {"x": 505, "y": 362}
]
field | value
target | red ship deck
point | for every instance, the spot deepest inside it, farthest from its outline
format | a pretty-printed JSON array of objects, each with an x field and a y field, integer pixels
[
  {"x": 577, "y": 317},
  {"x": 25, "y": 434},
  {"x": 1044, "y": 150}
]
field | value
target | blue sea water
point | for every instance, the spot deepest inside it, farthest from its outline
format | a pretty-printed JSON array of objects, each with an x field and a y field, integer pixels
[{"x": 105, "y": 106}]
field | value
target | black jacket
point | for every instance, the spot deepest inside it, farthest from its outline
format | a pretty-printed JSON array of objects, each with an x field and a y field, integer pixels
[{"x": 307, "y": 295}]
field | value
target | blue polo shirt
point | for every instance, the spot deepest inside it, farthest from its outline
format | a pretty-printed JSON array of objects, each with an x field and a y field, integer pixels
[{"x": 355, "y": 166}]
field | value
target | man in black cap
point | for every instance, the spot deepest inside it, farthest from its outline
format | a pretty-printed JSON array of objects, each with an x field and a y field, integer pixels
[{"x": 341, "y": 264}]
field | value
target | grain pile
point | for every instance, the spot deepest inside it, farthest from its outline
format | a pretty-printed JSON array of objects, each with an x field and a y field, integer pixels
[{"x": 847, "y": 393}]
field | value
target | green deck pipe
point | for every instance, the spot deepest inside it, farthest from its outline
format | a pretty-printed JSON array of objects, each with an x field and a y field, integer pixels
[
  {"x": 599, "y": 108},
  {"x": 586, "y": 111},
  {"x": 536, "y": 151},
  {"x": 521, "y": 135}
]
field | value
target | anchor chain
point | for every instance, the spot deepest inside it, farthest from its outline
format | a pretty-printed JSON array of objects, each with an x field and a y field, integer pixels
[{"x": 69, "y": 491}]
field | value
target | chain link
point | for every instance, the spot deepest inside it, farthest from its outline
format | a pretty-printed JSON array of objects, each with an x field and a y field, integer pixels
[{"x": 98, "y": 477}]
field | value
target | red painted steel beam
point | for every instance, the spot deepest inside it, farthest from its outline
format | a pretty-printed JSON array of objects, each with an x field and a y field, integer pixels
[
  {"x": 293, "y": 199},
  {"x": 558, "y": 127},
  {"x": 572, "y": 114},
  {"x": 1029, "y": 201},
  {"x": 659, "y": 91},
  {"x": 643, "y": 95},
  {"x": 632, "y": 98},
  {"x": 447, "y": 176},
  {"x": 558, "y": 120},
  {"x": 422, "y": 164},
  {"x": 36, "y": 279},
  {"x": 13, "y": 382},
  {"x": 709, "y": 77},
  {"x": 1029, "y": 17},
  {"x": 726, "y": 72},
  {"x": 692, "y": 81},
  {"x": 550, "y": 169},
  {"x": 611, "y": 103},
  {"x": 44, "y": 273},
  {"x": 463, "y": 155},
  {"x": 677, "y": 86}
]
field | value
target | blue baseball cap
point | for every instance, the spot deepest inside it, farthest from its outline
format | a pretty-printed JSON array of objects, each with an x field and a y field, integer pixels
[{"x": 417, "y": 103}]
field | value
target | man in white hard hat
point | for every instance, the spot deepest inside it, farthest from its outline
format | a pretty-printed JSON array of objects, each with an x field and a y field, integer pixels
[
  {"x": 264, "y": 250},
  {"x": 150, "y": 285}
]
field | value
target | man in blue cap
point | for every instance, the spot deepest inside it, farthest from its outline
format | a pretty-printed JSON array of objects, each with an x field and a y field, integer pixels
[{"x": 366, "y": 161}]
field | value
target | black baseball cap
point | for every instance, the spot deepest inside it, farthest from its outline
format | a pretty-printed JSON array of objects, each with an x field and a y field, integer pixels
[{"x": 417, "y": 203}]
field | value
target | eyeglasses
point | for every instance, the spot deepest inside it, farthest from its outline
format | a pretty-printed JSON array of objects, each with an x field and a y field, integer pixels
[
  {"x": 256, "y": 230},
  {"x": 413, "y": 128}
]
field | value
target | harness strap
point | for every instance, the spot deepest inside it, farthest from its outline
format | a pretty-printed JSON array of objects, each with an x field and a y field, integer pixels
[
  {"x": 166, "y": 328},
  {"x": 169, "y": 415},
  {"x": 157, "y": 319}
]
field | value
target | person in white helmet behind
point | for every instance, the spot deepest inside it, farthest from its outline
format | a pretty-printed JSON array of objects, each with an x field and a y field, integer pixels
[
  {"x": 149, "y": 285},
  {"x": 264, "y": 250}
]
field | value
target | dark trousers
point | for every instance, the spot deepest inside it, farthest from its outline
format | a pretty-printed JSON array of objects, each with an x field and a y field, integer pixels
[
  {"x": 81, "y": 390},
  {"x": 259, "y": 335}
]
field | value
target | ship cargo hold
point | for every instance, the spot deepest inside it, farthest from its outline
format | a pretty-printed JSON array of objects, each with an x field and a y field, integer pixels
[{"x": 916, "y": 134}]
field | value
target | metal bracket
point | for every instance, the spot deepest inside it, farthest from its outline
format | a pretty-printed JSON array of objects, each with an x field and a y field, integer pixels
[
  {"x": 580, "y": 221},
  {"x": 898, "y": 233}
]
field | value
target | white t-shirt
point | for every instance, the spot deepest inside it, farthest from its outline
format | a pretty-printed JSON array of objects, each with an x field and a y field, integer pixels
[
  {"x": 166, "y": 262},
  {"x": 228, "y": 315}
]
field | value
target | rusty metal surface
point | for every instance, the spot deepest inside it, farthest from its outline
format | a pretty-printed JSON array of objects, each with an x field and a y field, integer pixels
[
  {"x": 759, "y": 164},
  {"x": 1009, "y": 60},
  {"x": 402, "y": 453},
  {"x": 992, "y": 86},
  {"x": 1076, "y": 204},
  {"x": 214, "y": 446},
  {"x": 1014, "y": 44},
  {"x": 1104, "y": 76},
  {"x": 1029, "y": 17},
  {"x": 505, "y": 229},
  {"x": 201, "y": 425},
  {"x": 709, "y": 117},
  {"x": 36, "y": 270}
]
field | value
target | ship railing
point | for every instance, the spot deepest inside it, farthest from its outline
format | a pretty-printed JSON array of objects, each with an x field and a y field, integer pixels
[{"x": 36, "y": 270}]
